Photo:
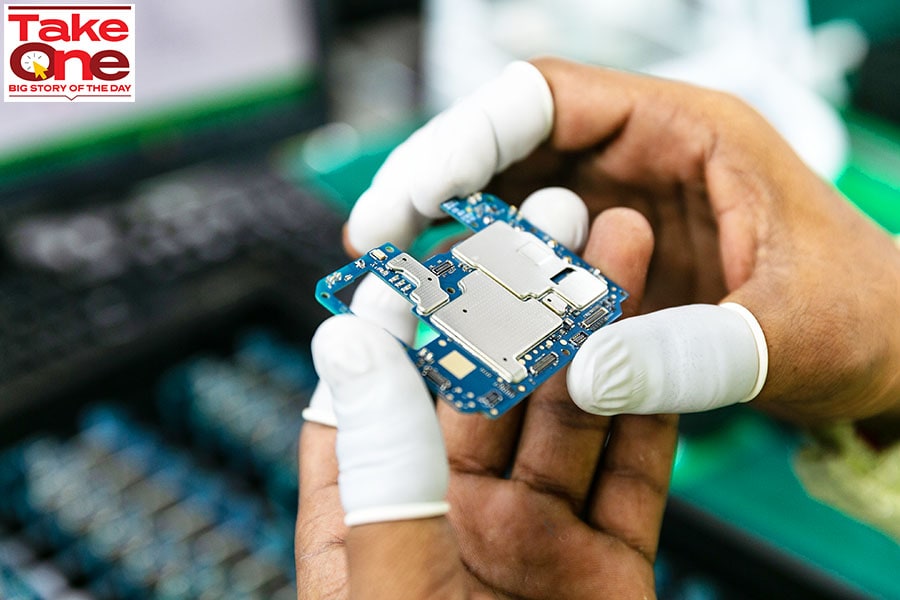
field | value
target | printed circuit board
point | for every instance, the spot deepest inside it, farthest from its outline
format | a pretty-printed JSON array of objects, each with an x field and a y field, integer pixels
[{"x": 509, "y": 304}]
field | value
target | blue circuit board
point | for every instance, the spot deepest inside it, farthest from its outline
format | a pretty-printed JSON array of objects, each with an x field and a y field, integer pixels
[{"x": 510, "y": 305}]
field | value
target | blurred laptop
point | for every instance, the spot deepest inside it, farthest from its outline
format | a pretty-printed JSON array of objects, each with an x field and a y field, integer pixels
[
  {"x": 211, "y": 77},
  {"x": 123, "y": 225}
]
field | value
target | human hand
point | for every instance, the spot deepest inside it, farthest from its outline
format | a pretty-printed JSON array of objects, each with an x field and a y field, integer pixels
[
  {"x": 546, "y": 501},
  {"x": 738, "y": 219}
]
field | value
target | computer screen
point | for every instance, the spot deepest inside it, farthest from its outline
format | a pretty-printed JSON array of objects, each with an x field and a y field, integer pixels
[{"x": 210, "y": 75}]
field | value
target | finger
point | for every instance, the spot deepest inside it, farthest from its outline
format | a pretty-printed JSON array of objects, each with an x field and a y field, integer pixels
[
  {"x": 320, "y": 530},
  {"x": 393, "y": 470},
  {"x": 480, "y": 446},
  {"x": 454, "y": 154},
  {"x": 560, "y": 213},
  {"x": 660, "y": 136},
  {"x": 634, "y": 446},
  {"x": 388, "y": 446},
  {"x": 620, "y": 245},
  {"x": 633, "y": 480},
  {"x": 639, "y": 114},
  {"x": 684, "y": 359},
  {"x": 377, "y": 303},
  {"x": 560, "y": 444}
]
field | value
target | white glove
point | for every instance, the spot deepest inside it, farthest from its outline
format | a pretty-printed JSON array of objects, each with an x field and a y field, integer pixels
[
  {"x": 684, "y": 359},
  {"x": 679, "y": 360},
  {"x": 389, "y": 448},
  {"x": 454, "y": 154},
  {"x": 377, "y": 303}
]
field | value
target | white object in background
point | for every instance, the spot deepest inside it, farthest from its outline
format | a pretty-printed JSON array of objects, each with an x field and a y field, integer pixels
[{"x": 764, "y": 52}]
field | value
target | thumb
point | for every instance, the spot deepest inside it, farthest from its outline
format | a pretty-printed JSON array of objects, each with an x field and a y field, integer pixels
[
  {"x": 678, "y": 360},
  {"x": 393, "y": 467}
]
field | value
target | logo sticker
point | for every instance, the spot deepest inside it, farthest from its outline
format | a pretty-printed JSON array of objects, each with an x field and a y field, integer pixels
[{"x": 68, "y": 53}]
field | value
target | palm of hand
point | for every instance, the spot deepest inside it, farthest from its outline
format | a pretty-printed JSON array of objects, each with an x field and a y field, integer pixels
[
  {"x": 738, "y": 216},
  {"x": 551, "y": 502},
  {"x": 685, "y": 266},
  {"x": 518, "y": 542},
  {"x": 567, "y": 522}
]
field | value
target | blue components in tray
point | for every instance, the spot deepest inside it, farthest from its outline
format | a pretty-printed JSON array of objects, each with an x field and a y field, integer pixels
[
  {"x": 14, "y": 585},
  {"x": 510, "y": 305},
  {"x": 245, "y": 408},
  {"x": 198, "y": 501},
  {"x": 125, "y": 511},
  {"x": 286, "y": 366}
]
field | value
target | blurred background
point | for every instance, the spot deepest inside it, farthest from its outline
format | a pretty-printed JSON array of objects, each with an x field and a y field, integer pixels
[{"x": 158, "y": 260}]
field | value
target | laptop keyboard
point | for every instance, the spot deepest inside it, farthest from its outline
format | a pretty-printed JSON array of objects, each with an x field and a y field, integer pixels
[{"x": 87, "y": 282}]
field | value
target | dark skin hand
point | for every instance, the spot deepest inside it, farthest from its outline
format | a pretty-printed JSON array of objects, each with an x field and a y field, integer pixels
[
  {"x": 578, "y": 516},
  {"x": 737, "y": 216}
]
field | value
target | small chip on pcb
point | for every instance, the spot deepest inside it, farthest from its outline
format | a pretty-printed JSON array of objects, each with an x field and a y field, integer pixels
[
  {"x": 443, "y": 268},
  {"x": 378, "y": 254},
  {"x": 457, "y": 364},
  {"x": 491, "y": 399}
]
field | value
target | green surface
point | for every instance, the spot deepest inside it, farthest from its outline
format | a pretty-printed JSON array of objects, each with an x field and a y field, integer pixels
[
  {"x": 880, "y": 19},
  {"x": 742, "y": 474},
  {"x": 165, "y": 125},
  {"x": 347, "y": 176},
  {"x": 872, "y": 179}
]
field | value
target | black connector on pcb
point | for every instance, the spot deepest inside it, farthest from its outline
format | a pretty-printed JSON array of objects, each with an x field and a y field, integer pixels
[
  {"x": 443, "y": 268},
  {"x": 594, "y": 320},
  {"x": 437, "y": 379},
  {"x": 578, "y": 339},
  {"x": 544, "y": 363}
]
